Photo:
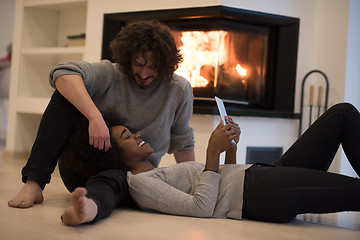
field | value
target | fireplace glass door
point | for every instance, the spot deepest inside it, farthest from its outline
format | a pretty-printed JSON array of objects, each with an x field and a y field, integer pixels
[{"x": 230, "y": 64}]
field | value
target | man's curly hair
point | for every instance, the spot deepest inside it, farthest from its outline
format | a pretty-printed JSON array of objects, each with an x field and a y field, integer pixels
[{"x": 142, "y": 36}]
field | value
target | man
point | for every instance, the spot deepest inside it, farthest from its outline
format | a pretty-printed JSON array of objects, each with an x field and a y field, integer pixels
[{"x": 140, "y": 90}]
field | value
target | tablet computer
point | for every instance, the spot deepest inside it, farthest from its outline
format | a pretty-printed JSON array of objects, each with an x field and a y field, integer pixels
[
  {"x": 222, "y": 110},
  {"x": 221, "y": 107}
]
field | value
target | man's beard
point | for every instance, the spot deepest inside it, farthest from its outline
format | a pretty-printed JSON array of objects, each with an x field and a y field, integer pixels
[{"x": 142, "y": 85}]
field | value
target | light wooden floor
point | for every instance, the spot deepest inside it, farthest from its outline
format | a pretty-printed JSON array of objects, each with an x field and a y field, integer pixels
[{"x": 43, "y": 220}]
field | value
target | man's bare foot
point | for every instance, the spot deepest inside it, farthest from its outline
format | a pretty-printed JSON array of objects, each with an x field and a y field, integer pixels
[
  {"x": 30, "y": 194},
  {"x": 82, "y": 209}
]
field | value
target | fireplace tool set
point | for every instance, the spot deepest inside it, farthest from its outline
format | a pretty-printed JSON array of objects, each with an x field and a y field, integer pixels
[{"x": 313, "y": 106}]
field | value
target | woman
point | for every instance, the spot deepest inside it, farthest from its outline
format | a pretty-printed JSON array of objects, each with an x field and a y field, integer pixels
[{"x": 297, "y": 184}]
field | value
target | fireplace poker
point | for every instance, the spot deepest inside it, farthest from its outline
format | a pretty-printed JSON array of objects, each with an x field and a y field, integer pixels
[
  {"x": 311, "y": 95},
  {"x": 319, "y": 100}
]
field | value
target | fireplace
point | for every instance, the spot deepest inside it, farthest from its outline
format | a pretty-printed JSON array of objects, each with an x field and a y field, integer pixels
[{"x": 247, "y": 58}]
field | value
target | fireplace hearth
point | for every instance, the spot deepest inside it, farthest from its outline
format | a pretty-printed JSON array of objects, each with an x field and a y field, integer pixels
[{"x": 247, "y": 58}]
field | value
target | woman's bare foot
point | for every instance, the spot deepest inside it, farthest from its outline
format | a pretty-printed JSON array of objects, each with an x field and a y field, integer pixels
[
  {"x": 30, "y": 194},
  {"x": 82, "y": 209}
]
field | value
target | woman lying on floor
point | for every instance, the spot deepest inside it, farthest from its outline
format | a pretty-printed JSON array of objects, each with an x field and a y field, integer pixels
[{"x": 298, "y": 183}]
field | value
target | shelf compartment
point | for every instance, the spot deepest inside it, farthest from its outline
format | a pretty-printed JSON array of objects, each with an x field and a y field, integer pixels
[
  {"x": 47, "y": 24},
  {"x": 36, "y": 65},
  {"x": 42, "y": 29}
]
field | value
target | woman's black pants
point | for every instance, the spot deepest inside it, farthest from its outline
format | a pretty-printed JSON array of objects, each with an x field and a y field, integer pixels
[{"x": 299, "y": 183}]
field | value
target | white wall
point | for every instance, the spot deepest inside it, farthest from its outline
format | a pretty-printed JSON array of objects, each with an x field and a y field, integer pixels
[
  {"x": 322, "y": 45},
  {"x": 331, "y": 44},
  {"x": 352, "y": 84}
]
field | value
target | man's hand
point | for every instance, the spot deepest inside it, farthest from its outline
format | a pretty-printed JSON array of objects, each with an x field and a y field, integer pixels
[
  {"x": 73, "y": 89},
  {"x": 99, "y": 135}
]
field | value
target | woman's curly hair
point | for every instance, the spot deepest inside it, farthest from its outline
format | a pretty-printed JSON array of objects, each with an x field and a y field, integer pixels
[
  {"x": 142, "y": 36},
  {"x": 86, "y": 160}
]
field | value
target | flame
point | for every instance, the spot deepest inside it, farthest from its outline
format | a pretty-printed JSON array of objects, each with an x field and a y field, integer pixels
[
  {"x": 201, "y": 49},
  {"x": 203, "y": 52},
  {"x": 242, "y": 71}
]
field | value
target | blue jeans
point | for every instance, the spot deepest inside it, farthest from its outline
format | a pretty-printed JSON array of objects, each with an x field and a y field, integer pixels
[{"x": 298, "y": 182}]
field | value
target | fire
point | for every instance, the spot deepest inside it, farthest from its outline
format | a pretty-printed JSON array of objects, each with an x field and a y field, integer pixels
[
  {"x": 205, "y": 54},
  {"x": 242, "y": 71},
  {"x": 201, "y": 49}
]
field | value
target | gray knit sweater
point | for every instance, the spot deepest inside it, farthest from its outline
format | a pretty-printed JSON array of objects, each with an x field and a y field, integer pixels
[
  {"x": 160, "y": 113},
  {"x": 184, "y": 189}
]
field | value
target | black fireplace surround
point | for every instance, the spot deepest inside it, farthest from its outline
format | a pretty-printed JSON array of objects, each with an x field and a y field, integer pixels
[{"x": 281, "y": 57}]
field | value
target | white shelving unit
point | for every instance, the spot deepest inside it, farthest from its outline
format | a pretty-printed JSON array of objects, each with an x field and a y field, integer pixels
[{"x": 41, "y": 28}]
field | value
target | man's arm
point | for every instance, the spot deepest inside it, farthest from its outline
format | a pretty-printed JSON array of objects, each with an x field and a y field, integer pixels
[
  {"x": 184, "y": 156},
  {"x": 73, "y": 89}
]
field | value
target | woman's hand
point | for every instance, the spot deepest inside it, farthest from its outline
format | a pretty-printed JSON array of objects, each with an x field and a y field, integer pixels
[
  {"x": 99, "y": 136},
  {"x": 235, "y": 127},
  {"x": 220, "y": 139},
  {"x": 230, "y": 156}
]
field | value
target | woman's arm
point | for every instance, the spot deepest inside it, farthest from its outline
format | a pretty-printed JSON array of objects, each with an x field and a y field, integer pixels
[
  {"x": 220, "y": 141},
  {"x": 152, "y": 193},
  {"x": 230, "y": 155},
  {"x": 73, "y": 89}
]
